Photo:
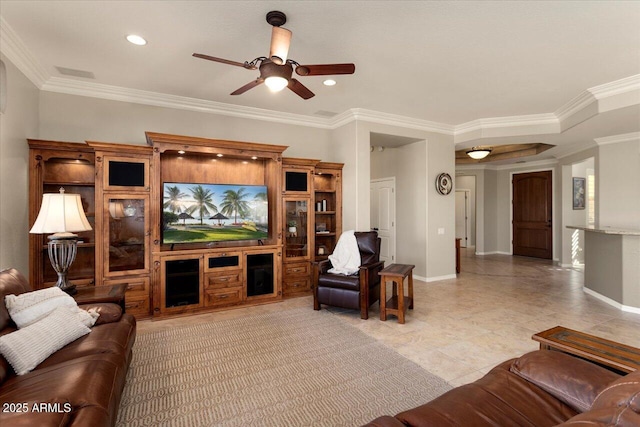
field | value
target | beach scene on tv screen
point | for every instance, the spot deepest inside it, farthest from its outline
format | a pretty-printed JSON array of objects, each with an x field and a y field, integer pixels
[{"x": 194, "y": 213}]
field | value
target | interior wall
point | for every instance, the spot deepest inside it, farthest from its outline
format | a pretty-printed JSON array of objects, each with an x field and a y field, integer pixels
[
  {"x": 383, "y": 163},
  {"x": 343, "y": 150},
  {"x": 490, "y": 212},
  {"x": 441, "y": 255},
  {"x": 76, "y": 119},
  {"x": 18, "y": 122},
  {"x": 617, "y": 185},
  {"x": 468, "y": 182}
]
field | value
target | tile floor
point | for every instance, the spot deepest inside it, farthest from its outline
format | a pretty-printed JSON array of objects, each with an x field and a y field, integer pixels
[{"x": 461, "y": 328}]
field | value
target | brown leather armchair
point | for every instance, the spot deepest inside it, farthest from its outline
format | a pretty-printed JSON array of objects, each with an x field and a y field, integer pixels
[{"x": 358, "y": 291}]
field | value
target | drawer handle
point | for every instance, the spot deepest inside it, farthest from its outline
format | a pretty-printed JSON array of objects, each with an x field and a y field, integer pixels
[
  {"x": 296, "y": 285},
  {"x": 131, "y": 305},
  {"x": 223, "y": 296},
  {"x": 223, "y": 279}
]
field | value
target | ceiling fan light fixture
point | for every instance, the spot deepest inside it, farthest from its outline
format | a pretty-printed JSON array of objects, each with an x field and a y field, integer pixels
[
  {"x": 276, "y": 83},
  {"x": 478, "y": 153},
  {"x": 136, "y": 39},
  {"x": 329, "y": 82}
]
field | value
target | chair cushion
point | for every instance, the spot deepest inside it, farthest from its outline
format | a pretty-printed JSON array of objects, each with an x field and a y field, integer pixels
[{"x": 339, "y": 281}]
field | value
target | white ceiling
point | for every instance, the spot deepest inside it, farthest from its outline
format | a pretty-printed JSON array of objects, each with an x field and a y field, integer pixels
[{"x": 450, "y": 64}]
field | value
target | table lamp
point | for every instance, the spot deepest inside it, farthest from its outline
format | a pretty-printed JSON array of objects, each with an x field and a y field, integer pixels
[{"x": 61, "y": 214}]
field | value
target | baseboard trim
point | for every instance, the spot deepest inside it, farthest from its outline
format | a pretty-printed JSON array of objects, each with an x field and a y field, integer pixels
[
  {"x": 438, "y": 278},
  {"x": 494, "y": 253},
  {"x": 611, "y": 302}
]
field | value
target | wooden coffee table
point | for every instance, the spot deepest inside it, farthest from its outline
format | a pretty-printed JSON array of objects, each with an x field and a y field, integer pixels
[
  {"x": 609, "y": 353},
  {"x": 101, "y": 294},
  {"x": 398, "y": 303}
]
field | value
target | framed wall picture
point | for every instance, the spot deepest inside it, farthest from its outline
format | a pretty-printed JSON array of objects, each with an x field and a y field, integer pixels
[{"x": 579, "y": 193}]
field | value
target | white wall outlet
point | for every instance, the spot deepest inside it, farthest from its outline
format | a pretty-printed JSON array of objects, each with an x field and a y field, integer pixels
[{"x": 441, "y": 230}]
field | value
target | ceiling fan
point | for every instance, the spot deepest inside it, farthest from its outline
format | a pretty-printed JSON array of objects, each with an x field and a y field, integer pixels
[{"x": 276, "y": 70}]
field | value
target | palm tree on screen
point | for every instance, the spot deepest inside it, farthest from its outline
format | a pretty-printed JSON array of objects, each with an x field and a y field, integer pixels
[
  {"x": 234, "y": 203},
  {"x": 203, "y": 202},
  {"x": 172, "y": 196}
]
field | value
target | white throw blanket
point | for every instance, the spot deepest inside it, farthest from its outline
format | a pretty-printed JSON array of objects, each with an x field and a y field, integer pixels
[{"x": 346, "y": 256}]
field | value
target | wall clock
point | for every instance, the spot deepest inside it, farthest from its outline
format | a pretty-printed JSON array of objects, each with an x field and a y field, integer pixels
[{"x": 444, "y": 184}]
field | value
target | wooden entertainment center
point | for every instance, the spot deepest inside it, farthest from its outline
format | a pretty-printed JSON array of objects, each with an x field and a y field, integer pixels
[{"x": 122, "y": 191}]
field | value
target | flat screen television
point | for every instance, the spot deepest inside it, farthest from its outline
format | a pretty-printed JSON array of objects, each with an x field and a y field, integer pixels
[{"x": 205, "y": 213}]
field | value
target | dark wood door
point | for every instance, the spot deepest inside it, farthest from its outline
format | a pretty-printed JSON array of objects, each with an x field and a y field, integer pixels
[{"x": 532, "y": 231}]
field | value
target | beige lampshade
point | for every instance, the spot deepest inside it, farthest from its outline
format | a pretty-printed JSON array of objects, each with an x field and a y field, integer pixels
[
  {"x": 60, "y": 213},
  {"x": 116, "y": 210},
  {"x": 280, "y": 41}
]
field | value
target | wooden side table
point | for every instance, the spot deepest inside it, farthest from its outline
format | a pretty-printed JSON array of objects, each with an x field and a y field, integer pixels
[
  {"x": 102, "y": 294},
  {"x": 609, "y": 353},
  {"x": 398, "y": 303}
]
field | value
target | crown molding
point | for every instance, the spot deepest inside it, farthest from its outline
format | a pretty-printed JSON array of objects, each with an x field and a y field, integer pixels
[
  {"x": 506, "y": 122},
  {"x": 14, "y": 48},
  {"x": 616, "y": 87},
  {"x": 371, "y": 116},
  {"x": 616, "y": 139},
  {"x": 98, "y": 90},
  {"x": 573, "y": 107}
]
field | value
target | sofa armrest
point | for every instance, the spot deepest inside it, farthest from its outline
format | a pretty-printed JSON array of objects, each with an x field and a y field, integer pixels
[
  {"x": 385, "y": 421},
  {"x": 109, "y": 312},
  {"x": 569, "y": 379}
]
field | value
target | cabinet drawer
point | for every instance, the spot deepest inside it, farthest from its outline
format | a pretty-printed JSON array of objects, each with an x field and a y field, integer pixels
[
  {"x": 294, "y": 286},
  {"x": 223, "y": 261},
  {"x": 223, "y": 280},
  {"x": 136, "y": 286},
  {"x": 137, "y": 306},
  {"x": 227, "y": 296},
  {"x": 297, "y": 269}
]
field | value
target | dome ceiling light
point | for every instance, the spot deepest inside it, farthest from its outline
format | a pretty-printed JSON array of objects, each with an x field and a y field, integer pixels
[{"x": 478, "y": 153}]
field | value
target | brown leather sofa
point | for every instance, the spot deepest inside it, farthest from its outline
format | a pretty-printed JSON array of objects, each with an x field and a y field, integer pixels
[
  {"x": 541, "y": 388},
  {"x": 82, "y": 382}
]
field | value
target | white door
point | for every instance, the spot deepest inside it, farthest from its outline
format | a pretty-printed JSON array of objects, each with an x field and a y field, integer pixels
[
  {"x": 383, "y": 216},
  {"x": 462, "y": 217}
]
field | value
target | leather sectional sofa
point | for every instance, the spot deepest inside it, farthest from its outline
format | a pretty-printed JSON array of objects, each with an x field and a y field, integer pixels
[
  {"x": 541, "y": 388},
  {"x": 80, "y": 384}
]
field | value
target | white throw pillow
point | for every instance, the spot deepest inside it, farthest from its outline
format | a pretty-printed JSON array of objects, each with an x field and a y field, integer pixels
[
  {"x": 26, "y": 309},
  {"x": 30, "y": 307},
  {"x": 28, "y": 347}
]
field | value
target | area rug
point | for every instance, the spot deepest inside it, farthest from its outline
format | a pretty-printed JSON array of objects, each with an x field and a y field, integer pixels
[{"x": 297, "y": 367}]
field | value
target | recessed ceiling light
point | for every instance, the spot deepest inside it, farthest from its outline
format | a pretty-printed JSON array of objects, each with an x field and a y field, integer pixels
[
  {"x": 254, "y": 157},
  {"x": 137, "y": 40},
  {"x": 181, "y": 151},
  {"x": 329, "y": 82},
  {"x": 219, "y": 155}
]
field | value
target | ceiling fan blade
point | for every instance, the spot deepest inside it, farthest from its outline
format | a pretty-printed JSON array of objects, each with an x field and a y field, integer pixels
[
  {"x": 225, "y": 61},
  {"x": 280, "y": 41},
  {"x": 248, "y": 86},
  {"x": 301, "y": 90},
  {"x": 325, "y": 69}
]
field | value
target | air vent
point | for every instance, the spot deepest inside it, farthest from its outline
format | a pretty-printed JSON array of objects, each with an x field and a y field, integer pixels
[
  {"x": 75, "y": 73},
  {"x": 323, "y": 113}
]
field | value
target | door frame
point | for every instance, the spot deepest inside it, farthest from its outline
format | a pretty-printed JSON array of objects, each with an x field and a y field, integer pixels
[
  {"x": 467, "y": 208},
  {"x": 553, "y": 205},
  {"x": 392, "y": 181}
]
